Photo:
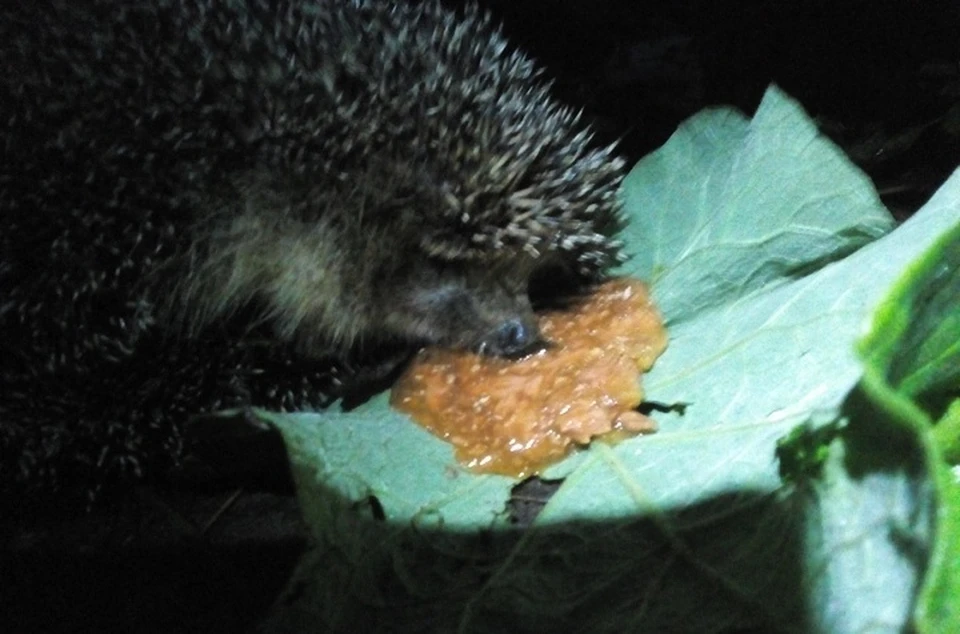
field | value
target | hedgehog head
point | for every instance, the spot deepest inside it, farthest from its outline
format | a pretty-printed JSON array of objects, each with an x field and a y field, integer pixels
[
  {"x": 461, "y": 306},
  {"x": 403, "y": 175},
  {"x": 460, "y": 259},
  {"x": 499, "y": 166},
  {"x": 490, "y": 189}
]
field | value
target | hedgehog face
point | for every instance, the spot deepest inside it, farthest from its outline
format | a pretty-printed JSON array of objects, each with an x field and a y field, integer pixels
[{"x": 468, "y": 307}]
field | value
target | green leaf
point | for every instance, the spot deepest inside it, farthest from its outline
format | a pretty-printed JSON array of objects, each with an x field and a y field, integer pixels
[
  {"x": 753, "y": 233},
  {"x": 868, "y": 520},
  {"x": 914, "y": 342},
  {"x": 912, "y": 376},
  {"x": 883, "y": 515},
  {"x": 947, "y": 433},
  {"x": 732, "y": 205},
  {"x": 377, "y": 451}
]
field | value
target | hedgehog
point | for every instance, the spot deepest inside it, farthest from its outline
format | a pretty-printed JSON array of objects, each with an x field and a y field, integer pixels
[{"x": 208, "y": 204}]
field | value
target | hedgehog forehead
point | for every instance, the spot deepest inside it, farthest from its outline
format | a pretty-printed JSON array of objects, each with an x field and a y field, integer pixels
[
  {"x": 510, "y": 273},
  {"x": 531, "y": 206}
]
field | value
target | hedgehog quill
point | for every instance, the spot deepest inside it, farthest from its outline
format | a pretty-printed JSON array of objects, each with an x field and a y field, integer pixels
[{"x": 203, "y": 203}]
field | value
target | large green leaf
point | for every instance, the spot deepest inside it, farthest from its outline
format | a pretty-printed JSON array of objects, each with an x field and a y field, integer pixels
[
  {"x": 730, "y": 206},
  {"x": 884, "y": 513},
  {"x": 753, "y": 234}
]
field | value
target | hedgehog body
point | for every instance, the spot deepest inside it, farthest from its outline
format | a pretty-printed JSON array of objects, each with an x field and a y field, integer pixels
[{"x": 202, "y": 201}]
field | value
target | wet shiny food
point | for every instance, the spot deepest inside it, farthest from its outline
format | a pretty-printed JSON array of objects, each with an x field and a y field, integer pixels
[{"x": 517, "y": 417}]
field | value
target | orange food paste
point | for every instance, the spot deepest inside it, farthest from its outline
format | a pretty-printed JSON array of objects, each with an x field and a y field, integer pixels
[{"x": 517, "y": 417}]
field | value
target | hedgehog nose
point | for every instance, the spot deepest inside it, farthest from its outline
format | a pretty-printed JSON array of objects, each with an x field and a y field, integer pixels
[{"x": 514, "y": 338}]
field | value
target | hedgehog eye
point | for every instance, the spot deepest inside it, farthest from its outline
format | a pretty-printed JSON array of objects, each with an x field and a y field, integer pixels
[{"x": 552, "y": 284}]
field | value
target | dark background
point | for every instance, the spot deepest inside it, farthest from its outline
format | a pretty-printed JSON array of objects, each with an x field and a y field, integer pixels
[{"x": 881, "y": 77}]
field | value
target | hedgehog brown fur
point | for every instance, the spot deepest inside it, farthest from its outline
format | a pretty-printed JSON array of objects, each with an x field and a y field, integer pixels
[{"x": 204, "y": 201}]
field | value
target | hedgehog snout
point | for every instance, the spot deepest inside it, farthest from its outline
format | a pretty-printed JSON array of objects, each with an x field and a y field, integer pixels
[{"x": 513, "y": 338}]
